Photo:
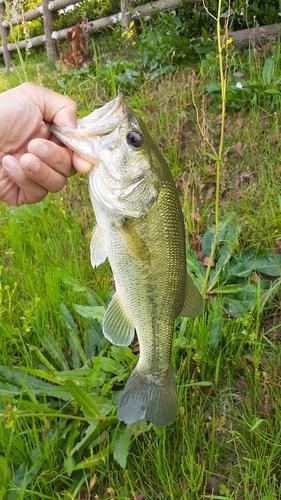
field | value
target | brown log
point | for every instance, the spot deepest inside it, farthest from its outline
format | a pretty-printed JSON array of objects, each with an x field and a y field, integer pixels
[{"x": 243, "y": 37}]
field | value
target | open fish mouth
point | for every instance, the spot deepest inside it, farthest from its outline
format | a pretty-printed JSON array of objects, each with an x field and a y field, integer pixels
[
  {"x": 92, "y": 128},
  {"x": 105, "y": 119}
]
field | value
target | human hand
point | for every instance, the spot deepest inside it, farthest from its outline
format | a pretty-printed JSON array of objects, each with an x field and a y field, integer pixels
[{"x": 32, "y": 161}]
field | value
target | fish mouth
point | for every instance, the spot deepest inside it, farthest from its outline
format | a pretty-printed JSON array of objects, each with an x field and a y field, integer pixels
[
  {"x": 102, "y": 121},
  {"x": 105, "y": 119}
]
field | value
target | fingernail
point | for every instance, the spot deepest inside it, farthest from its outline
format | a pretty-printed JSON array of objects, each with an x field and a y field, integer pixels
[
  {"x": 9, "y": 162},
  {"x": 42, "y": 150},
  {"x": 34, "y": 166}
]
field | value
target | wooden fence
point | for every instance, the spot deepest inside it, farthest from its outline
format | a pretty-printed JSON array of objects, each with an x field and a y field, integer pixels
[{"x": 50, "y": 37}]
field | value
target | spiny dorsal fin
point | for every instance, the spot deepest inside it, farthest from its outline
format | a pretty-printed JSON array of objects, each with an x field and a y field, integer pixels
[
  {"x": 117, "y": 327},
  {"x": 97, "y": 247},
  {"x": 193, "y": 304}
]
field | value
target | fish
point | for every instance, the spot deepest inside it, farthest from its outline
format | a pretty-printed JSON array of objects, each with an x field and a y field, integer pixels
[{"x": 140, "y": 229}]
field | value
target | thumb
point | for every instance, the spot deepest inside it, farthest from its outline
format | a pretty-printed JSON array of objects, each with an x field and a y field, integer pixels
[{"x": 54, "y": 107}]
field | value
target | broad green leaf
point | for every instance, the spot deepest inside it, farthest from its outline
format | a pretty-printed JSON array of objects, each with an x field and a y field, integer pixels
[
  {"x": 212, "y": 87},
  {"x": 94, "y": 341},
  {"x": 82, "y": 377},
  {"x": 268, "y": 263},
  {"x": 9, "y": 390},
  {"x": 53, "y": 349},
  {"x": 110, "y": 365},
  {"x": 94, "y": 299},
  {"x": 21, "y": 378},
  {"x": 272, "y": 91},
  {"x": 216, "y": 322},
  {"x": 85, "y": 400},
  {"x": 93, "y": 430},
  {"x": 89, "y": 436},
  {"x": 267, "y": 71},
  {"x": 76, "y": 348},
  {"x": 121, "y": 446},
  {"x": 251, "y": 260},
  {"x": 93, "y": 460},
  {"x": 96, "y": 312},
  {"x": 228, "y": 233},
  {"x": 69, "y": 464},
  {"x": 236, "y": 308},
  {"x": 42, "y": 358}
]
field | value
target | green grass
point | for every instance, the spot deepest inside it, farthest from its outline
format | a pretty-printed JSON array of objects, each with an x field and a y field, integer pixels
[{"x": 61, "y": 440}]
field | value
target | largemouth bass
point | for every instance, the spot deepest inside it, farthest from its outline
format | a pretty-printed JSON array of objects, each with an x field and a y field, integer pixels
[{"x": 140, "y": 229}]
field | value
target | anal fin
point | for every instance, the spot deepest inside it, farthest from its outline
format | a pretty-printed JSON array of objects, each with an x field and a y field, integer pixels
[
  {"x": 117, "y": 327},
  {"x": 193, "y": 301}
]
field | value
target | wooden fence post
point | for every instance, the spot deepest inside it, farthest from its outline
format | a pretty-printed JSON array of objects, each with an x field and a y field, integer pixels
[
  {"x": 125, "y": 16},
  {"x": 51, "y": 45},
  {"x": 4, "y": 32}
]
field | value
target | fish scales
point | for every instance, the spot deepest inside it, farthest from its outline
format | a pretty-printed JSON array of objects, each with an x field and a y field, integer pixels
[{"x": 140, "y": 229}]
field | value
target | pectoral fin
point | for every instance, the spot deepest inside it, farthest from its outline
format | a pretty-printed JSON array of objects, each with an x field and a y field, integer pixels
[
  {"x": 97, "y": 248},
  {"x": 193, "y": 302},
  {"x": 117, "y": 327},
  {"x": 134, "y": 243}
]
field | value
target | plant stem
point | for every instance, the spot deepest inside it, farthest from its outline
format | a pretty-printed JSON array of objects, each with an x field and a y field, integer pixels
[{"x": 219, "y": 154}]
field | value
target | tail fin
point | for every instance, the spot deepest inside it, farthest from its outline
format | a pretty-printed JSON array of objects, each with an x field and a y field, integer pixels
[{"x": 145, "y": 397}]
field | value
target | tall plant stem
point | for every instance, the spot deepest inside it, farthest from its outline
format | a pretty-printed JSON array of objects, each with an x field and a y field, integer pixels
[{"x": 219, "y": 153}]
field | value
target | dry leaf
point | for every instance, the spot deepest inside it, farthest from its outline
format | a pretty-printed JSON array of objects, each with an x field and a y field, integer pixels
[
  {"x": 239, "y": 122},
  {"x": 255, "y": 277},
  {"x": 251, "y": 359},
  {"x": 195, "y": 215},
  {"x": 277, "y": 247},
  {"x": 238, "y": 148},
  {"x": 136, "y": 348},
  {"x": 206, "y": 261},
  {"x": 242, "y": 383},
  {"x": 200, "y": 255},
  {"x": 140, "y": 496},
  {"x": 236, "y": 194},
  {"x": 213, "y": 486},
  {"x": 210, "y": 192},
  {"x": 238, "y": 74},
  {"x": 246, "y": 176},
  {"x": 237, "y": 181},
  {"x": 224, "y": 204}
]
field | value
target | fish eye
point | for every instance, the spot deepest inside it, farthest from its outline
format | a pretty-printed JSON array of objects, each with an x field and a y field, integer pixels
[{"x": 135, "y": 139}]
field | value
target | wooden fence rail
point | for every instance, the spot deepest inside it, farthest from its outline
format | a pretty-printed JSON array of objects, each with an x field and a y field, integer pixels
[{"x": 50, "y": 37}]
